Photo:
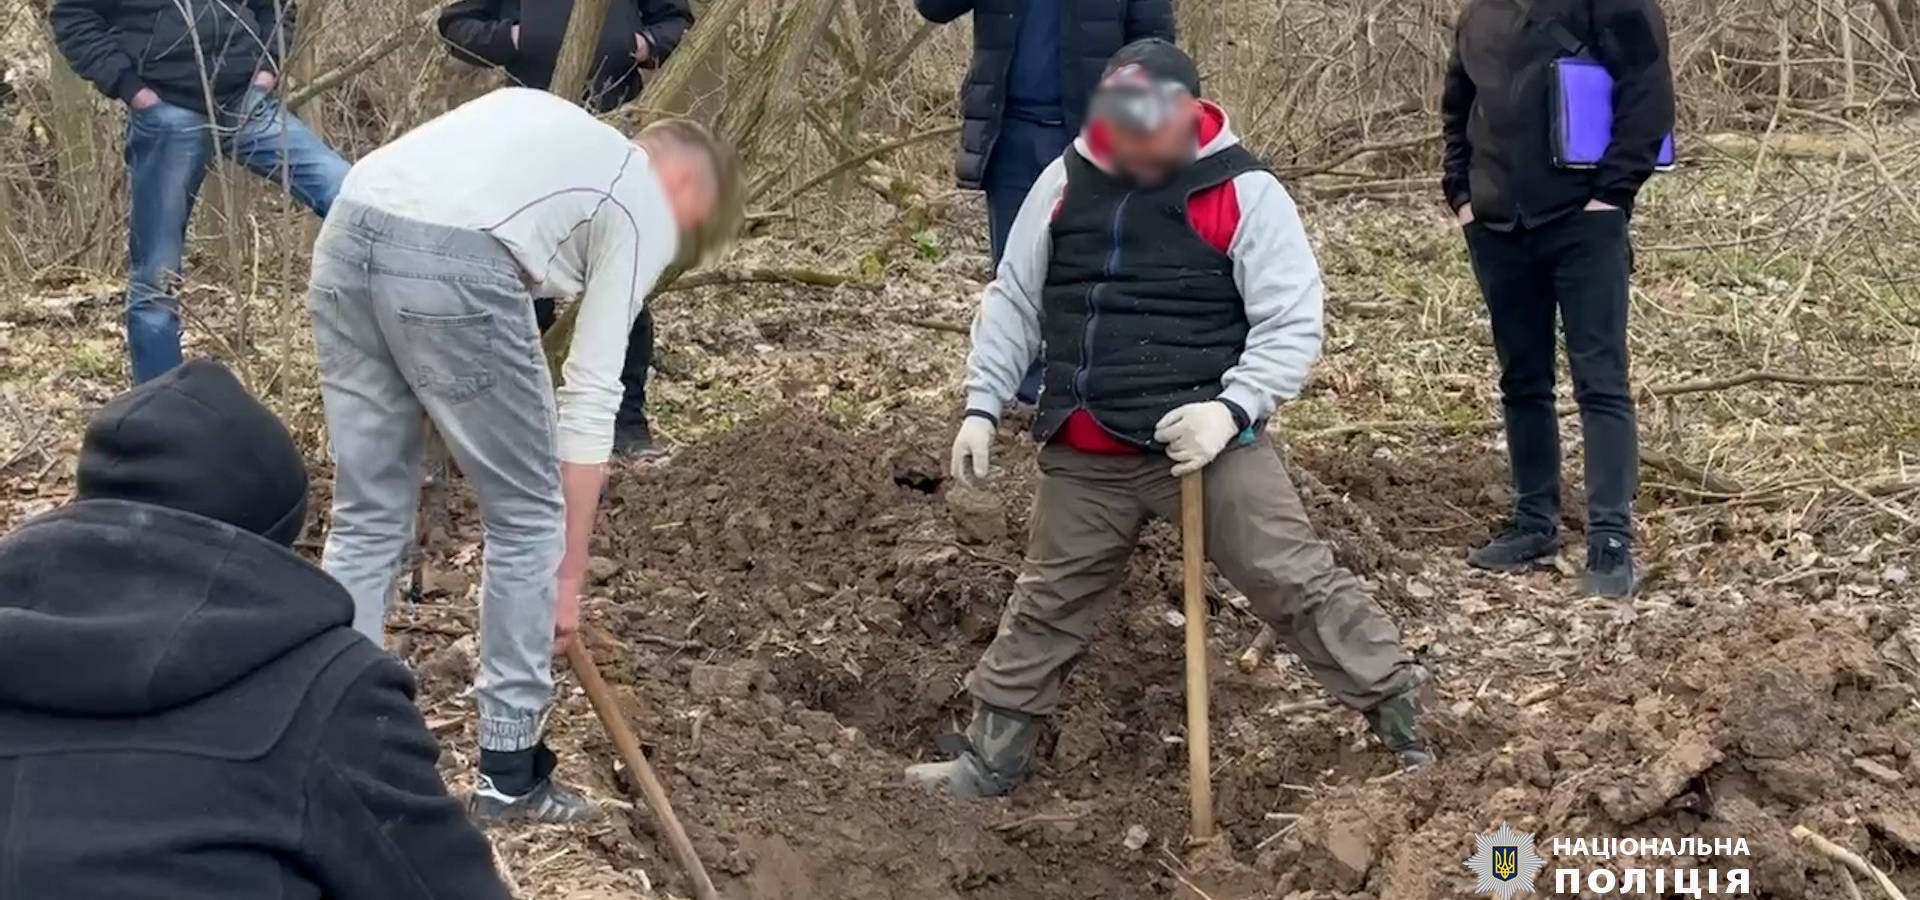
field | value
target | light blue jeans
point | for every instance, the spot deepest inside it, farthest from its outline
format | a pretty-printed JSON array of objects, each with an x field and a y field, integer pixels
[
  {"x": 415, "y": 322},
  {"x": 169, "y": 149}
]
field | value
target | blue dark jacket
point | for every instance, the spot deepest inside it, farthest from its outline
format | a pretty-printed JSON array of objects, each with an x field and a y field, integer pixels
[{"x": 1090, "y": 32}]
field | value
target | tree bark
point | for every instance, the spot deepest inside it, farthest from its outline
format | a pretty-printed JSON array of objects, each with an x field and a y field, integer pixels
[
  {"x": 768, "y": 101},
  {"x": 578, "y": 49},
  {"x": 701, "y": 61}
]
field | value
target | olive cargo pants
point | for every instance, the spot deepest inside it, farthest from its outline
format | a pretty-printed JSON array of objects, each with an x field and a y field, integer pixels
[{"x": 1087, "y": 517}]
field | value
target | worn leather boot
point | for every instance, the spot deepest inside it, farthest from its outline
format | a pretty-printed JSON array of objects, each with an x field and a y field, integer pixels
[{"x": 992, "y": 757}]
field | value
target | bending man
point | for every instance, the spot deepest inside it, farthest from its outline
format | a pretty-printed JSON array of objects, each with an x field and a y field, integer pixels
[
  {"x": 424, "y": 280},
  {"x": 1166, "y": 272}
]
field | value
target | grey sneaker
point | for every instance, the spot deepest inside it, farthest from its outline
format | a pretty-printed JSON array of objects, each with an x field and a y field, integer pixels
[
  {"x": 1610, "y": 569},
  {"x": 549, "y": 801},
  {"x": 992, "y": 757},
  {"x": 1514, "y": 549}
]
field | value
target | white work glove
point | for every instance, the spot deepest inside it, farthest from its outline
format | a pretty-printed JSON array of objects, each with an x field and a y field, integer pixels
[
  {"x": 1195, "y": 433},
  {"x": 973, "y": 450}
]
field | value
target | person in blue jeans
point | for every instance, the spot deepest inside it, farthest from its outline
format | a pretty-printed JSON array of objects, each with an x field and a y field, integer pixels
[
  {"x": 196, "y": 90},
  {"x": 1035, "y": 65}
]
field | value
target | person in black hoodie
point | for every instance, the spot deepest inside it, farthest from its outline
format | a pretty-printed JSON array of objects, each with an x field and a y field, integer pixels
[
  {"x": 524, "y": 39},
  {"x": 1549, "y": 240},
  {"x": 185, "y": 710}
]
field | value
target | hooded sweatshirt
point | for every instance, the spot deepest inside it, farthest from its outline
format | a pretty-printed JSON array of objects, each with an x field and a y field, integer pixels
[{"x": 184, "y": 709}]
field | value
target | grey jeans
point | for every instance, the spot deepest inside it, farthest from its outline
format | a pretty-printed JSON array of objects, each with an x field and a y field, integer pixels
[{"x": 415, "y": 322}]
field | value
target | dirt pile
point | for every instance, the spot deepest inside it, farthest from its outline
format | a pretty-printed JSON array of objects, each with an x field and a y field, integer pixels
[
  {"x": 792, "y": 607},
  {"x": 1734, "y": 723}
]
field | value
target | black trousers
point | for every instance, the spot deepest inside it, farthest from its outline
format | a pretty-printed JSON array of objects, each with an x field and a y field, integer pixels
[
  {"x": 1577, "y": 266},
  {"x": 633, "y": 375}
]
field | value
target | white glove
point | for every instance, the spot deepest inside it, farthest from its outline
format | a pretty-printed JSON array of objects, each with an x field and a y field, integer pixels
[
  {"x": 1195, "y": 434},
  {"x": 972, "y": 450}
]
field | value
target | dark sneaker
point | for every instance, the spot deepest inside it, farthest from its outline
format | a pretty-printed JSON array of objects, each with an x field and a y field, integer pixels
[
  {"x": 1396, "y": 722},
  {"x": 1610, "y": 571},
  {"x": 992, "y": 757},
  {"x": 635, "y": 442},
  {"x": 1515, "y": 548},
  {"x": 549, "y": 802}
]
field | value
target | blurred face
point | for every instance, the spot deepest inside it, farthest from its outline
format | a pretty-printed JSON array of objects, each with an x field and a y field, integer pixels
[
  {"x": 1152, "y": 157},
  {"x": 691, "y": 191}
]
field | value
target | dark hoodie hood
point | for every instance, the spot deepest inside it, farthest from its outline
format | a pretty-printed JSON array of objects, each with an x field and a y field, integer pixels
[
  {"x": 112, "y": 608},
  {"x": 195, "y": 440}
]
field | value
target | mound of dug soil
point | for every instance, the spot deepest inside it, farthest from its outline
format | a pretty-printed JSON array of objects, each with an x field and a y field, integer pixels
[
  {"x": 792, "y": 606},
  {"x": 1730, "y": 723}
]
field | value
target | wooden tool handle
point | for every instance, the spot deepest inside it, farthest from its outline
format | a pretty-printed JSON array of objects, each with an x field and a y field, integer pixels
[
  {"x": 628, "y": 744},
  {"x": 1193, "y": 564}
]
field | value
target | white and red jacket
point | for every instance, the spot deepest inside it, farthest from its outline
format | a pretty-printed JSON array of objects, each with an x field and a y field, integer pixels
[{"x": 1251, "y": 218}]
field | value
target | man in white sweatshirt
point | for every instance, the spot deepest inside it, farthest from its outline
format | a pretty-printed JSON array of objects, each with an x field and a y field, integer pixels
[
  {"x": 424, "y": 279},
  {"x": 1165, "y": 272}
]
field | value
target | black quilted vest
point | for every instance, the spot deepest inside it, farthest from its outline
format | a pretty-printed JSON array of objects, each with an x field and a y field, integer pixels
[{"x": 1140, "y": 314}]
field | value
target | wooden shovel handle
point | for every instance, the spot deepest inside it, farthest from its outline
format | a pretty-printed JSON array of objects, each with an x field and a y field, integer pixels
[
  {"x": 1193, "y": 564},
  {"x": 628, "y": 744}
]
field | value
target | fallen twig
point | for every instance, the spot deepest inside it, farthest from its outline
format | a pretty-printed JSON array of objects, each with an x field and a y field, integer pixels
[
  {"x": 1847, "y": 858},
  {"x": 810, "y": 277},
  {"x": 860, "y": 159}
]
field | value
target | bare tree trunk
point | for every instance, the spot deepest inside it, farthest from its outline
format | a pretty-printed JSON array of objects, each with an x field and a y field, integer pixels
[
  {"x": 694, "y": 75},
  {"x": 578, "y": 49},
  {"x": 769, "y": 99}
]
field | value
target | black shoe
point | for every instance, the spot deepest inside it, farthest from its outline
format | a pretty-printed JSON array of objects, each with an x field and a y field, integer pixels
[
  {"x": 634, "y": 441},
  {"x": 1515, "y": 548},
  {"x": 1610, "y": 570},
  {"x": 549, "y": 802}
]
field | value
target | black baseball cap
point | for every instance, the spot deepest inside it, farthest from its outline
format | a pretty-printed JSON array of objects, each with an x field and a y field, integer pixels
[{"x": 1142, "y": 83}]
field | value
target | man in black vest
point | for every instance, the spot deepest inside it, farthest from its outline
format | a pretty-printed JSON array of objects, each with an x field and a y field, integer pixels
[
  {"x": 1549, "y": 239},
  {"x": 1166, "y": 272}
]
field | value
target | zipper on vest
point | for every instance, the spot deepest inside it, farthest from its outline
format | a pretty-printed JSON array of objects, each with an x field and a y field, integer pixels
[{"x": 1093, "y": 301}]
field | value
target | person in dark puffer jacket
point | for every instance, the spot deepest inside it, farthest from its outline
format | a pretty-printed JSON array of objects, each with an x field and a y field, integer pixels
[
  {"x": 198, "y": 81},
  {"x": 185, "y": 709},
  {"x": 1035, "y": 64}
]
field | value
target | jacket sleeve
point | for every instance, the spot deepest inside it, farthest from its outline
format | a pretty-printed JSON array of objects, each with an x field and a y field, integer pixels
[
  {"x": 1149, "y": 19},
  {"x": 1006, "y": 329},
  {"x": 475, "y": 32},
  {"x": 664, "y": 22},
  {"x": 379, "y": 823},
  {"x": 273, "y": 21},
  {"x": 82, "y": 32},
  {"x": 1456, "y": 108},
  {"x": 1630, "y": 38},
  {"x": 940, "y": 12},
  {"x": 1279, "y": 282}
]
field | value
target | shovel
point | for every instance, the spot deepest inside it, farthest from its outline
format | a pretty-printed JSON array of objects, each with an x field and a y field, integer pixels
[{"x": 1193, "y": 564}]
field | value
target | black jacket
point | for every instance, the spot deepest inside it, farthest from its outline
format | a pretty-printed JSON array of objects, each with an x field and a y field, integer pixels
[
  {"x": 184, "y": 712},
  {"x": 1091, "y": 31},
  {"x": 1140, "y": 314},
  {"x": 481, "y": 32},
  {"x": 1497, "y": 106},
  {"x": 124, "y": 45}
]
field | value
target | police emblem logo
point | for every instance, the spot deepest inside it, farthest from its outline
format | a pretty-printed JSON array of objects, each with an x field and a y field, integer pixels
[{"x": 1505, "y": 863}]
